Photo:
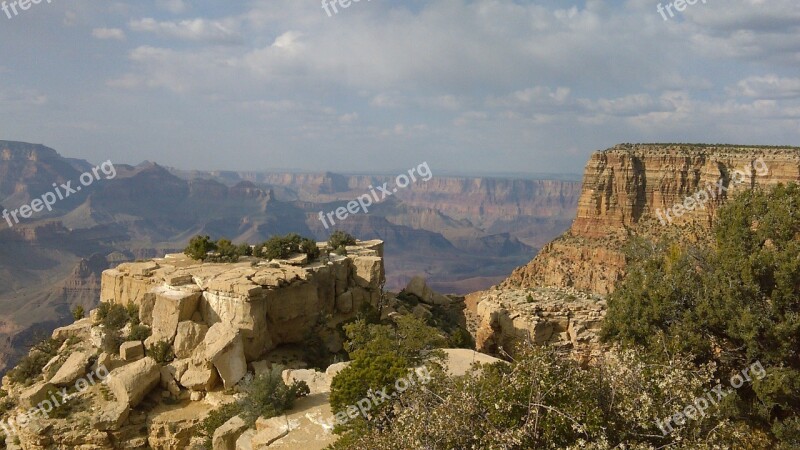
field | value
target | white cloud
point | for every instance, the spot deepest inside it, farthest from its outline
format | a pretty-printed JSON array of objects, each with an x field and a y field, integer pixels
[
  {"x": 348, "y": 118},
  {"x": 200, "y": 30},
  {"x": 108, "y": 33},
  {"x": 769, "y": 87},
  {"x": 748, "y": 29}
]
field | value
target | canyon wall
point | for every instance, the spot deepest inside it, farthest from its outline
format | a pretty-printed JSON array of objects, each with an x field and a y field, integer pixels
[
  {"x": 628, "y": 189},
  {"x": 481, "y": 200}
]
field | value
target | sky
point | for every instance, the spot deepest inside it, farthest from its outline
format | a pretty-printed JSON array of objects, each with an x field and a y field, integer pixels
[{"x": 468, "y": 86}]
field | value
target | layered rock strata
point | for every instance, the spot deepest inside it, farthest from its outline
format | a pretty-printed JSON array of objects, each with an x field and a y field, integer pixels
[{"x": 629, "y": 189}]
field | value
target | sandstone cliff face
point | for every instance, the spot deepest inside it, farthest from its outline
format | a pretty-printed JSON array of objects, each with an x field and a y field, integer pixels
[{"x": 628, "y": 188}]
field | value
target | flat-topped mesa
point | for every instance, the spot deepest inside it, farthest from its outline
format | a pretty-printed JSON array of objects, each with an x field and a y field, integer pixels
[
  {"x": 268, "y": 302},
  {"x": 636, "y": 188},
  {"x": 628, "y": 184}
]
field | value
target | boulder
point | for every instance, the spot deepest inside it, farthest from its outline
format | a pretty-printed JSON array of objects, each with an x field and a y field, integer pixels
[
  {"x": 178, "y": 279},
  {"x": 178, "y": 367},
  {"x": 96, "y": 336},
  {"x": 131, "y": 383},
  {"x": 80, "y": 330},
  {"x": 418, "y": 287},
  {"x": 108, "y": 360},
  {"x": 226, "y": 435},
  {"x": 131, "y": 350},
  {"x": 94, "y": 316},
  {"x": 142, "y": 269},
  {"x": 188, "y": 336},
  {"x": 297, "y": 259},
  {"x": 199, "y": 378},
  {"x": 225, "y": 349},
  {"x": 72, "y": 369},
  {"x": 35, "y": 394},
  {"x": 171, "y": 307}
]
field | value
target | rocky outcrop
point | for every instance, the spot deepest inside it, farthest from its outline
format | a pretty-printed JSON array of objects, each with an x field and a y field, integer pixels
[
  {"x": 561, "y": 317},
  {"x": 628, "y": 189},
  {"x": 209, "y": 324},
  {"x": 268, "y": 303}
]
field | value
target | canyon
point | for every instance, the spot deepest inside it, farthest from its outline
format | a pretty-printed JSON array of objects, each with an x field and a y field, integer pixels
[
  {"x": 226, "y": 321},
  {"x": 463, "y": 234}
]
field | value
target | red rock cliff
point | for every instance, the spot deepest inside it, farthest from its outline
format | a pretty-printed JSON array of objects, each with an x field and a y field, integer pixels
[{"x": 628, "y": 189}]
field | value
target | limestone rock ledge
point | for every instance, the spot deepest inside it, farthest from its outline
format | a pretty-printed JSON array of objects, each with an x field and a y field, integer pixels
[{"x": 268, "y": 303}]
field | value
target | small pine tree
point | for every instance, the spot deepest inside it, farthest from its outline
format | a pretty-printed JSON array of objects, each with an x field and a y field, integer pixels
[
  {"x": 78, "y": 313},
  {"x": 199, "y": 247},
  {"x": 340, "y": 239}
]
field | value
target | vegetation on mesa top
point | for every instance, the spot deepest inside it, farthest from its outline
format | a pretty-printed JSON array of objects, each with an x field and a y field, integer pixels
[
  {"x": 339, "y": 241},
  {"x": 699, "y": 145},
  {"x": 277, "y": 247}
]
